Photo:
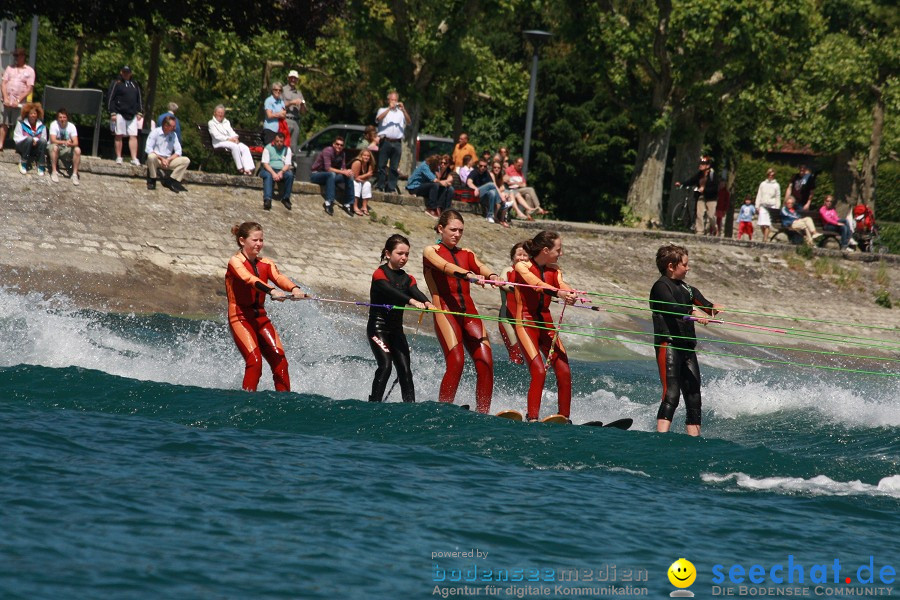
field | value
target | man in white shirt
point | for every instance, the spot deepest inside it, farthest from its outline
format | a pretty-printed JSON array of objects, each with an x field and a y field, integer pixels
[
  {"x": 164, "y": 152},
  {"x": 64, "y": 146},
  {"x": 391, "y": 122}
]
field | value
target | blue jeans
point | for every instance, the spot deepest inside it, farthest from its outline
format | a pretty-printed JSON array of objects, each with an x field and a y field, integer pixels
[
  {"x": 387, "y": 176},
  {"x": 490, "y": 196},
  {"x": 330, "y": 179},
  {"x": 269, "y": 183},
  {"x": 842, "y": 229}
]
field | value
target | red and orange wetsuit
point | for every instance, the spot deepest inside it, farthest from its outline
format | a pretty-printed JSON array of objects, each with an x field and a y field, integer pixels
[
  {"x": 445, "y": 273},
  {"x": 533, "y": 307},
  {"x": 256, "y": 338},
  {"x": 506, "y": 325}
]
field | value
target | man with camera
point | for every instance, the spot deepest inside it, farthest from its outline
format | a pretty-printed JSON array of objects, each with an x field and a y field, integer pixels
[{"x": 391, "y": 122}]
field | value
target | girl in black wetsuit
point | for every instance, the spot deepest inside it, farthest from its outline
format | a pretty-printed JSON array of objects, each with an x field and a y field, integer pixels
[
  {"x": 671, "y": 300},
  {"x": 392, "y": 285}
]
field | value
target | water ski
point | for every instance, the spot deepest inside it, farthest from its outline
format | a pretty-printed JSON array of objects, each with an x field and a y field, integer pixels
[
  {"x": 555, "y": 419},
  {"x": 620, "y": 424},
  {"x": 512, "y": 415}
]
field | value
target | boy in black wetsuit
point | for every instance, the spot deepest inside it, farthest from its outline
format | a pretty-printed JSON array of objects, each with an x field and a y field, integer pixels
[{"x": 671, "y": 300}]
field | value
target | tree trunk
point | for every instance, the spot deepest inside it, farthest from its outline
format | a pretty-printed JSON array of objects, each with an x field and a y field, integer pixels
[
  {"x": 729, "y": 214},
  {"x": 459, "y": 105},
  {"x": 76, "y": 59},
  {"x": 867, "y": 173},
  {"x": 407, "y": 159},
  {"x": 844, "y": 181},
  {"x": 687, "y": 150},
  {"x": 152, "y": 72},
  {"x": 645, "y": 192}
]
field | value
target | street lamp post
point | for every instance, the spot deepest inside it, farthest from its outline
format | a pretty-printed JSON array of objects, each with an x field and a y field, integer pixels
[{"x": 537, "y": 38}]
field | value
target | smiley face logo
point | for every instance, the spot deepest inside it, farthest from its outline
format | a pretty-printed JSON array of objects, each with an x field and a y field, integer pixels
[{"x": 682, "y": 573}]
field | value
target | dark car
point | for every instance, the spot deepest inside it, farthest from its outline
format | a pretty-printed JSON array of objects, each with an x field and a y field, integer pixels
[{"x": 353, "y": 135}]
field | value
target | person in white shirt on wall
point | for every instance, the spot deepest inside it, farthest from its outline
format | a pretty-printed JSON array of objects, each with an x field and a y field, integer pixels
[{"x": 64, "y": 146}]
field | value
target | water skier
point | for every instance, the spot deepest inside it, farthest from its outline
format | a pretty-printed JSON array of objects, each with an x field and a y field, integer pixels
[
  {"x": 533, "y": 308},
  {"x": 449, "y": 271},
  {"x": 508, "y": 306},
  {"x": 674, "y": 304},
  {"x": 392, "y": 285},
  {"x": 246, "y": 285}
]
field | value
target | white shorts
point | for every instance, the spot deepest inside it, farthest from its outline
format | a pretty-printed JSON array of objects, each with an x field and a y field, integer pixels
[
  {"x": 764, "y": 220},
  {"x": 122, "y": 126}
]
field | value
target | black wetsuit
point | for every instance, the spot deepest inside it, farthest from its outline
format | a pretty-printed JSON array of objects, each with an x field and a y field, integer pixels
[
  {"x": 385, "y": 329},
  {"x": 675, "y": 340}
]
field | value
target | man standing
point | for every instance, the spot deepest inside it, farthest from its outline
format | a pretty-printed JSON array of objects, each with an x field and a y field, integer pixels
[
  {"x": 515, "y": 180},
  {"x": 329, "y": 169},
  {"x": 17, "y": 84},
  {"x": 801, "y": 188},
  {"x": 295, "y": 105},
  {"x": 164, "y": 152},
  {"x": 391, "y": 122},
  {"x": 463, "y": 148},
  {"x": 125, "y": 107},
  {"x": 64, "y": 146},
  {"x": 706, "y": 194}
]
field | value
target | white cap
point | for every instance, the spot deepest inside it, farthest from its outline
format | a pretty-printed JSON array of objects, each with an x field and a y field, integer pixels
[{"x": 294, "y": 74}]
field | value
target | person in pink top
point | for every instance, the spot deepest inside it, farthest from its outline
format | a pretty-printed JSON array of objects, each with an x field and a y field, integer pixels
[
  {"x": 16, "y": 85},
  {"x": 834, "y": 224},
  {"x": 515, "y": 182}
]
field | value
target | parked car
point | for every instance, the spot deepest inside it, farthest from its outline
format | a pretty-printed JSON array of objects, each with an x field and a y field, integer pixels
[{"x": 353, "y": 134}]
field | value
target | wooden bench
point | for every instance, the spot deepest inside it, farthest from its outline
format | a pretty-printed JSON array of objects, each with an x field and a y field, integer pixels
[
  {"x": 781, "y": 233},
  {"x": 252, "y": 137}
]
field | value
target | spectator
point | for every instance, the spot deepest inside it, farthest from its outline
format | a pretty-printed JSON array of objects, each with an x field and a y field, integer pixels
[
  {"x": 164, "y": 152},
  {"x": 172, "y": 108},
  {"x": 295, "y": 105},
  {"x": 391, "y": 121},
  {"x": 863, "y": 225},
  {"x": 768, "y": 198},
  {"x": 801, "y": 188},
  {"x": 504, "y": 157},
  {"x": 275, "y": 112},
  {"x": 223, "y": 136},
  {"x": 125, "y": 109},
  {"x": 791, "y": 219},
  {"x": 30, "y": 137},
  {"x": 424, "y": 183},
  {"x": 464, "y": 170},
  {"x": 834, "y": 224},
  {"x": 515, "y": 181},
  {"x": 706, "y": 190},
  {"x": 484, "y": 188},
  {"x": 363, "y": 167},
  {"x": 64, "y": 146},
  {"x": 723, "y": 207},
  {"x": 463, "y": 148},
  {"x": 329, "y": 169},
  {"x": 369, "y": 139},
  {"x": 512, "y": 198},
  {"x": 16, "y": 85},
  {"x": 276, "y": 166},
  {"x": 745, "y": 218}
]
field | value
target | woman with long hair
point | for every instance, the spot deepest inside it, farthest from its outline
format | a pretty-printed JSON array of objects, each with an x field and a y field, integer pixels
[
  {"x": 363, "y": 168},
  {"x": 534, "y": 324},
  {"x": 449, "y": 272}
]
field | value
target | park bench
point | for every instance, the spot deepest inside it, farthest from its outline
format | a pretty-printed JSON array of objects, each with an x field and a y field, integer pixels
[
  {"x": 252, "y": 137},
  {"x": 781, "y": 233}
]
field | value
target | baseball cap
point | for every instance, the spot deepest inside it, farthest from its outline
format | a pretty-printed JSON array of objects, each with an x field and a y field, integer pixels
[
  {"x": 293, "y": 74},
  {"x": 127, "y": 69}
]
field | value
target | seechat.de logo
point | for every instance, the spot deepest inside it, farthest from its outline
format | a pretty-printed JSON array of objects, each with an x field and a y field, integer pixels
[{"x": 682, "y": 574}]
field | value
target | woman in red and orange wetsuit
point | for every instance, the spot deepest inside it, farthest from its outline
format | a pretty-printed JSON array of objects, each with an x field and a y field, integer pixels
[
  {"x": 246, "y": 283},
  {"x": 449, "y": 271},
  {"x": 533, "y": 308},
  {"x": 507, "y": 324}
]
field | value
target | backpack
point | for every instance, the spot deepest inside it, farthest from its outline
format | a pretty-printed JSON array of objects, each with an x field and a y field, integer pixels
[{"x": 865, "y": 219}]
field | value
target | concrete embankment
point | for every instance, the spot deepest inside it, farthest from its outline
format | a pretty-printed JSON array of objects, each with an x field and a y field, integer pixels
[{"x": 111, "y": 243}]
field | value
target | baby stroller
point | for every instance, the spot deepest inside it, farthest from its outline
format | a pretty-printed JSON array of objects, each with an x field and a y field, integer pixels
[{"x": 865, "y": 230}]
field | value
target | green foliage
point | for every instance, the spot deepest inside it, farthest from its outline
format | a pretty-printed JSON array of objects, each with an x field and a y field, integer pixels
[
  {"x": 401, "y": 226},
  {"x": 883, "y": 298},
  {"x": 804, "y": 251},
  {"x": 889, "y": 234},
  {"x": 887, "y": 195}
]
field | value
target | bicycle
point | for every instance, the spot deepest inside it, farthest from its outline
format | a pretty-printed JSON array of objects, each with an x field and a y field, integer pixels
[{"x": 683, "y": 210}]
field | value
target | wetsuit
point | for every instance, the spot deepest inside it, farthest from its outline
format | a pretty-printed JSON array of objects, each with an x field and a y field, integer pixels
[
  {"x": 533, "y": 308},
  {"x": 675, "y": 340},
  {"x": 445, "y": 273},
  {"x": 256, "y": 338},
  {"x": 385, "y": 329},
  {"x": 506, "y": 325}
]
